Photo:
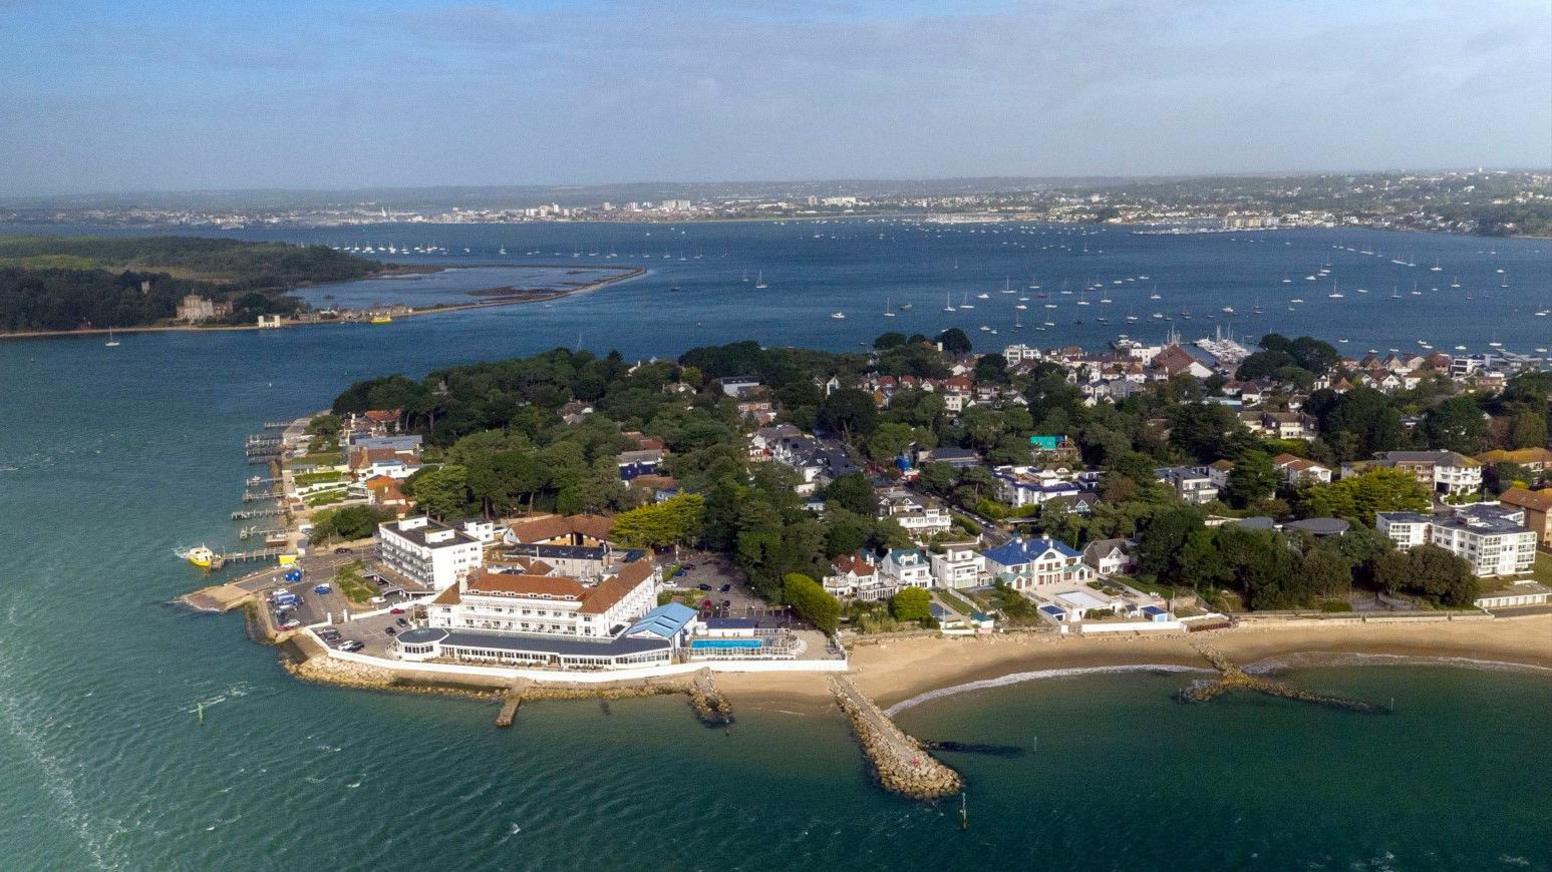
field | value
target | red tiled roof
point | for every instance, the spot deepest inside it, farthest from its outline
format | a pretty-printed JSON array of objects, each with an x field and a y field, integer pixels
[{"x": 483, "y": 581}]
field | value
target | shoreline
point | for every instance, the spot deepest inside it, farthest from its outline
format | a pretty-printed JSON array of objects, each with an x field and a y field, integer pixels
[
  {"x": 626, "y": 274},
  {"x": 917, "y": 670}
]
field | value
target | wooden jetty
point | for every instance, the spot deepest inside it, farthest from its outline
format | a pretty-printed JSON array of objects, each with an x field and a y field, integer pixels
[
  {"x": 277, "y": 425},
  {"x": 256, "y": 530},
  {"x": 1232, "y": 677},
  {"x": 260, "y": 496},
  {"x": 510, "y": 703},
  {"x": 245, "y": 514},
  {"x": 899, "y": 760}
]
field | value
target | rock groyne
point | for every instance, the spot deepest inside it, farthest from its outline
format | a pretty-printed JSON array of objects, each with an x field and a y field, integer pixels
[
  {"x": 1235, "y": 678},
  {"x": 900, "y": 762}
]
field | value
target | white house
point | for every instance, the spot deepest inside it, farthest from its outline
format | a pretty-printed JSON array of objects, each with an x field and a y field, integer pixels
[
  {"x": 920, "y": 516},
  {"x": 428, "y": 552},
  {"x": 959, "y": 566},
  {"x": 1494, "y": 541},
  {"x": 1191, "y": 485},
  {"x": 853, "y": 577},
  {"x": 906, "y": 567},
  {"x": 546, "y": 605},
  {"x": 1021, "y": 486},
  {"x": 1029, "y": 563},
  {"x": 1108, "y": 556}
]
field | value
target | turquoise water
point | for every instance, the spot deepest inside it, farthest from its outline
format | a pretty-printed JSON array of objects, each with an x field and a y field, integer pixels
[
  {"x": 109, "y": 458},
  {"x": 726, "y": 643}
]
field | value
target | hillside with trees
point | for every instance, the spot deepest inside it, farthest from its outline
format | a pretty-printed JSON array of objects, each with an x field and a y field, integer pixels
[{"x": 67, "y": 283}]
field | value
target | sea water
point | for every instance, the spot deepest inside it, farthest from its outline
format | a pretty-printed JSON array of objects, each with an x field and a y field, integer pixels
[{"x": 111, "y": 457}]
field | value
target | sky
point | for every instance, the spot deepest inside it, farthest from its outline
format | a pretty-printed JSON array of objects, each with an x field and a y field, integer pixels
[{"x": 326, "y": 94}]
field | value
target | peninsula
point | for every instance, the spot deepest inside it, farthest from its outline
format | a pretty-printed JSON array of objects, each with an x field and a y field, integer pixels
[
  {"x": 60, "y": 285},
  {"x": 917, "y": 515}
]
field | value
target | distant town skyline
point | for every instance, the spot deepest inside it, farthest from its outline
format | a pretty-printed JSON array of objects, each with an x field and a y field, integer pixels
[{"x": 169, "y": 95}]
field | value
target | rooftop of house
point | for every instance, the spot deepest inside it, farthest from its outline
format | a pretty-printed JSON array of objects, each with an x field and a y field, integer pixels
[
  {"x": 1020, "y": 550},
  {"x": 554, "y": 526},
  {"x": 1534, "y": 500}
]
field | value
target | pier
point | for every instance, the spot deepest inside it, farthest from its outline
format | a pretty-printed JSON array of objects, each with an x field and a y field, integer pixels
[
  {"x": 901, "y": 763},
  {"x": 510, "y": 703},
  {"x": 258, "y": 496},
  {"x": 1233, "y": 677},
  {"x": 249, "y": 532},
  {"x": 246, "y": 514}
]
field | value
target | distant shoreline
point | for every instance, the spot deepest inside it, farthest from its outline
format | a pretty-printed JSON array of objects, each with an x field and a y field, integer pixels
[{"x": 488, "y": 301}]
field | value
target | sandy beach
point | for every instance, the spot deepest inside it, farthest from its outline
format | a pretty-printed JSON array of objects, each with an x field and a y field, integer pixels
[{"x": 892, "y": 670}]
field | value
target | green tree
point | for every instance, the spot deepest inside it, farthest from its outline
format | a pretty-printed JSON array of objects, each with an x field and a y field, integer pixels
[
  {"x": 1528, "y": 429},
  {"x": 886, "y": 341},
  {"x": 810, "y": 602},
  {"x": 1252, "y": 478},
  {"x": 852, "y": 492},
  {"x": 1359, "y": 497},
  {"x": 441, "y": 491},
  {"x": 911, "y": 604},
  {"x": 848, "y": 412},
  {"x": 1457, "y": 424},
  {"x": 678, "y": 520},
  {"x": 954, "y": 341}
]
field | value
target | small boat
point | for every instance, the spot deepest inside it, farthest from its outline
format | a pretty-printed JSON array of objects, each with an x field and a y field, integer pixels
[
  {"x": 111, "y": 343},
  {"x": 948, "y": 303},
  {"x": 905, "y": 307},
  {"x": 839, "y": 316},
  {"x": 888, "y": 310},
  {"x": 759, "y": 281},
  {"x": 201, "y": 556}
]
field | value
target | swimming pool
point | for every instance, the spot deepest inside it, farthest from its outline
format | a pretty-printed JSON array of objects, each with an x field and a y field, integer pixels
[{"x": 725, "y": 643}]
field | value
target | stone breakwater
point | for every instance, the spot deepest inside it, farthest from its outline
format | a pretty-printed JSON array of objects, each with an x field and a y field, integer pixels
[
  {"x": 709, "y": 704},
  {"x": 901, "y": 763},
  {"x": 1233, "y": 677}
]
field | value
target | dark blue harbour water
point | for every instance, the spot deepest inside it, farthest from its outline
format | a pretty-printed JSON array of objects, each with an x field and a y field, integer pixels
[{"x": 111, "y": 457}]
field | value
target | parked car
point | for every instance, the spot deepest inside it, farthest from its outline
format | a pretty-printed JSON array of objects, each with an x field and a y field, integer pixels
[
  {"x": 727, "y": 604},
  {"x": 351, "y": 645},
  {"x": 703, "y": 586},
  {"x": 391, "y": 631},
  {"x": 401, "y": 622},
  {"x": 725, "y": 588},
  {"x": 396, "y": 611},
  {"x": 291, "y": 624},
  {"x": 322, "y": 588}
]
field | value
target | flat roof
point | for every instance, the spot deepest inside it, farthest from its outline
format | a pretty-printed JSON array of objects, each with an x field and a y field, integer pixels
[
  {"x": 1082, "y": 598},
  {"x": 549, "y": 645}
]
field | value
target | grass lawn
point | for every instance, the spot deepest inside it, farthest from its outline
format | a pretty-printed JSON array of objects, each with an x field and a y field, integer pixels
[
  {"x": 351, "y": 583},
  {"x": 955, "y": 601},
  {"x": 1149, "y": 586},
  {"x": 1542, "y": 571},
  {"x": 311, "y": 478}
]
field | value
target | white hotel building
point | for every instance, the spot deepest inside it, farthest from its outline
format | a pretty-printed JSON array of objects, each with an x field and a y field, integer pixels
[
  {"x": 427, "y": 552},
  {"x": 547, "y": 605},
  {"x": 1494, "y": 541}
]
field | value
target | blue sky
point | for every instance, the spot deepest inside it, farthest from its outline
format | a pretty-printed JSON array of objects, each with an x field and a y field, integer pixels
[{"x": 171, "y": 95}]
